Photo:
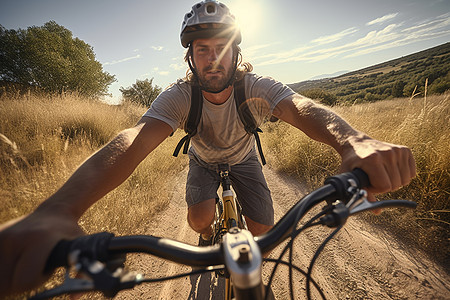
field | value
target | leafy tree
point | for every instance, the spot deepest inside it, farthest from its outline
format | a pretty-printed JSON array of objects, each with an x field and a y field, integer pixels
[
  {"x": 50, "y": 59},
  {"x": 142, "y": 92},
  {"x": 321, "y": 95},
  {"x": 397, "y": 88},
  {"x": 441, "y": 85}
]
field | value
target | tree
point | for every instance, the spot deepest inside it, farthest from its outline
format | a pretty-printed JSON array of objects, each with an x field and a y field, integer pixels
[
  {"x": 142, "y": 92},
  {"x": 321, "y": 95},
  {"x": 440, "y": 85},
  {"x": 397, "y": 88},
  {"x": 50, "y": 59}
]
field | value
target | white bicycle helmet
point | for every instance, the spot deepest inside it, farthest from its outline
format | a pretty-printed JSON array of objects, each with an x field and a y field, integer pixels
[{"x": 208, "y": 19}]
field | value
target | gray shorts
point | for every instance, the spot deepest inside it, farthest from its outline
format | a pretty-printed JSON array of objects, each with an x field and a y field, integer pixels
[{"x": 248, "y": 182}]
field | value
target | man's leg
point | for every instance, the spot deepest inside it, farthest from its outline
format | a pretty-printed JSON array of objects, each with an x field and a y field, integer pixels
[
  {"x": 253, "y": 195},
  {"x": 201, "y": 215},
  {"x": 201, "y": 192}
]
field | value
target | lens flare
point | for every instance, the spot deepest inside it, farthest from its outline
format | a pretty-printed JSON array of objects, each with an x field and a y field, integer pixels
[{"x": 248, "y": 14}]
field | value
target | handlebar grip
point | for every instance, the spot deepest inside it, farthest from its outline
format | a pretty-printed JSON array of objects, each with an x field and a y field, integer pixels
[
  {"x": 342, "y": 182},
  {"x": 94, "y": 246},
  {"x": 58, "y": 256},
  {"x": 361, "y": 177}
]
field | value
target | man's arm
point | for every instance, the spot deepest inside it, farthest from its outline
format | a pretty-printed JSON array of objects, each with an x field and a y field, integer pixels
[
  {"x": 26, "y": 243},
  {"x": 389, "y": 166}
]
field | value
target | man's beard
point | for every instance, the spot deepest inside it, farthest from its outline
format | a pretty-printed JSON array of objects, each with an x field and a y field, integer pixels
[{"x": 215, "y": 84}]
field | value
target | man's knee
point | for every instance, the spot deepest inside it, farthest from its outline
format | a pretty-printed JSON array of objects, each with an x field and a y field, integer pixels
[
  {"x": 256, "y": 228},
  {"x": 201, "y": 215}
]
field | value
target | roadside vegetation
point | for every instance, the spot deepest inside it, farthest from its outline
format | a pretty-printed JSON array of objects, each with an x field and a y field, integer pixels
[{"x": 44, "y": 139}]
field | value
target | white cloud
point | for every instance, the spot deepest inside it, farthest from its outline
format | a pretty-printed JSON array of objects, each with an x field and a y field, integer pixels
[
  {"x": 334, "y": 37},
  {"x": 428, "y": 25},
  {"x": 122, "y": 60},
  {"x": 157, "y": 48},
  {"x": 382, "y": 19},
  {"x": 158, "y": 71},
  {"x": 281, "y": 57},
  {"x": 256, "y": 48},
  {"x": 313, "y": 54},
  {"x": 436, "y": 28},
  {"x": 390, "y": 36},
  {"x": 376, "y": 37}
]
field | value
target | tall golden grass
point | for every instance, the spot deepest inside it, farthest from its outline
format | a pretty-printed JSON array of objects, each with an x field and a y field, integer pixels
[
  {"x": 423, "y": 124},
  {"x": 44, "y": 139}
]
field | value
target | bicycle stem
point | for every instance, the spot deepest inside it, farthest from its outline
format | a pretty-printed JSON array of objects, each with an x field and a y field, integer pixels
[{"x": 243, "y": 260}]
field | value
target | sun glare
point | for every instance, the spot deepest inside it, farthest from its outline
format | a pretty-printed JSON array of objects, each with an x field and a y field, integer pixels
[{"x": 248, "y": 16}]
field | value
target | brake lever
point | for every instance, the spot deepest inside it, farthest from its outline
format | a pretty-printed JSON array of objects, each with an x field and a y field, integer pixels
[
  {"x": 97, "y": 277},
  {"x": 70, "y": 285},
  {"x": 339, "y": 212},
  {"x": 362, "y": 204}
]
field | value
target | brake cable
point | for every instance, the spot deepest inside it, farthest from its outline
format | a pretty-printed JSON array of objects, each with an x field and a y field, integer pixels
[
  {"x": 295, "y": 233},
  {"x": 313, "y": 260}
]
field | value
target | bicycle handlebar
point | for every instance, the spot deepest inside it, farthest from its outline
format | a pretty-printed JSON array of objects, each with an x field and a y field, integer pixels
[{"x": 104, "y": 246}]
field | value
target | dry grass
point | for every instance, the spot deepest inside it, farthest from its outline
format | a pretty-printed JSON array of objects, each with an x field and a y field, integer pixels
[
  {"x": 423, "y": 124},
  {"x": 43, "y": 140}
]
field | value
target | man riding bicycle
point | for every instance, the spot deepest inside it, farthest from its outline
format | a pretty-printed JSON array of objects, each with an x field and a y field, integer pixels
[{"x": 212, "y": 39}]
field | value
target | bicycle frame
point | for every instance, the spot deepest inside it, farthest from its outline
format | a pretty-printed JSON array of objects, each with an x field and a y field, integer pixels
[
  {"x": 228, "y": 219},
  {"x": 228, "y": 210}
]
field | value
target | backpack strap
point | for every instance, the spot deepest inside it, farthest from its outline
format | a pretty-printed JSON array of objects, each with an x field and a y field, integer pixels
[
  {"x": 246, "y": 115},
  {"x": 195, "y": 113},
  {"x": 190, "y": 127}
]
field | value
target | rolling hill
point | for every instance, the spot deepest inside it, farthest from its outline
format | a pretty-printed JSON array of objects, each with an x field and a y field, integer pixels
[{"x": 399, "y": 77}]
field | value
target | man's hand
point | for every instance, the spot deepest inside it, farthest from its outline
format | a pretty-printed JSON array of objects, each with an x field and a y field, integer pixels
[
  {"x": 25, "y": 244},
  {"x": 388, "y": 166}
]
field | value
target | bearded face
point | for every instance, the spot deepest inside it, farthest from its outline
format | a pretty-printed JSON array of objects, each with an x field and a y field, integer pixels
[{"x": 213, "y": 61}]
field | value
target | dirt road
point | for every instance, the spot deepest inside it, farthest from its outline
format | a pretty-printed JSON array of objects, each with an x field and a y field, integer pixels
[{"x": 360, "y": 263}]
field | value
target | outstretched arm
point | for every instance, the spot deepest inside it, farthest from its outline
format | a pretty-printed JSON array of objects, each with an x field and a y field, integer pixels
[
  {"x": 25, "y": 243},
  {"x": 389, "y": 166}
]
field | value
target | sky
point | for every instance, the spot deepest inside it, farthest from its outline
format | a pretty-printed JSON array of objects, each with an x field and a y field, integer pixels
[{"x": 289, "y": 40}]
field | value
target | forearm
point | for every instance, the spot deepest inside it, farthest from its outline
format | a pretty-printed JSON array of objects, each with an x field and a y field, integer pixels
[{"x": 318, "y": 122}]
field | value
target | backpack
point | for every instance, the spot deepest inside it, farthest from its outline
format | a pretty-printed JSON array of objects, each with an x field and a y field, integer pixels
[{"x": 195, "y": 113}]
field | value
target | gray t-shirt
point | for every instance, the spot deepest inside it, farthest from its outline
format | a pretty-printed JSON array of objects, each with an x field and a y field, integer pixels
[{"x": 221, "y": 137}]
